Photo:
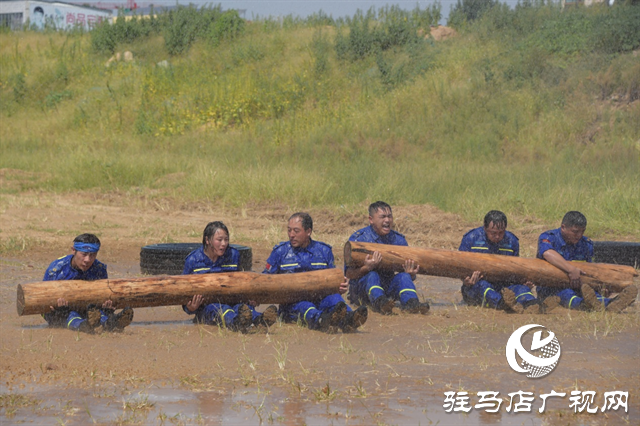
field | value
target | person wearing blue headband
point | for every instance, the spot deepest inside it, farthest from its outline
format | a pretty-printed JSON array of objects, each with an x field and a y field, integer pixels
[{"x": 83, "y": 265}]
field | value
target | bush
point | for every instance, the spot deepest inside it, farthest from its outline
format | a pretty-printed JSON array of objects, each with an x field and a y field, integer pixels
[
  {"x": 103, "y": 38},
  {"x": 227, "y": 27},
  {"x": 617, "y": 30},
  {"x": 468, "y": 11},
  {"x": 370, "y": 34}
]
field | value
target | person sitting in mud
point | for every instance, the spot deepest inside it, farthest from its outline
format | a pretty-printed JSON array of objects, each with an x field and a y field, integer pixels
[
  {"x": 303, "y": 254},
  {"x": 83, "y": 265},
  {"x": 562, "y": 248},
  {"x": 216, "y": 255},
  {"x": 380, "y": 288},
  {"x": 493, "y": 238}
]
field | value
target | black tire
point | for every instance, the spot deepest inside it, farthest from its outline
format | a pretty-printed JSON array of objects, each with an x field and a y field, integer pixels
[
  {"x": 160, "y": 259},
  {"x": 621, "y": 253}
]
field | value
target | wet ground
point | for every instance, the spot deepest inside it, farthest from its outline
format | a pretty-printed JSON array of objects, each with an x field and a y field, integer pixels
[{"x": 165, "y": 370}]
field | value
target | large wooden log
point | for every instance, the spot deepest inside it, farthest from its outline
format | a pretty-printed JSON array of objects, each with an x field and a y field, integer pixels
[
  {"x": 495, "y": 268},
  {"x": 229, "y": 288}
]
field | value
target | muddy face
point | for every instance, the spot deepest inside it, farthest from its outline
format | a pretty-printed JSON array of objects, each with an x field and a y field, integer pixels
[
  {"x": 495, "y": 234},
  {"x": 83, "y": 261},
  {"x": 571, "y": 234},
  {"x": 382, "y": 222}
]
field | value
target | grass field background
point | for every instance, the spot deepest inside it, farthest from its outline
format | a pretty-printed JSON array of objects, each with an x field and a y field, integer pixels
[{"x": 528, "y": 111}]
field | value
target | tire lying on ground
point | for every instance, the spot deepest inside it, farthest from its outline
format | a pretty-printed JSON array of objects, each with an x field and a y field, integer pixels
[
  {"x": 159, "y": 259},
  {"x": 621, "y": 253}
]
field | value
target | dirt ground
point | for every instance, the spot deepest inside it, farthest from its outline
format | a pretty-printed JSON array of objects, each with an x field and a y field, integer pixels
[{"x": 395, "y": 370}]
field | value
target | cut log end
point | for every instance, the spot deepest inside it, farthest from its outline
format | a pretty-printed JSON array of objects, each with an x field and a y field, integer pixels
[
  {"x": 347, "y": 254},
  {"x": 20, "y": 300}
]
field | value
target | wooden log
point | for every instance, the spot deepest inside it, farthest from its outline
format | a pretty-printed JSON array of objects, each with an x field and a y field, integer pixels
[
  {"x": 229, "y": 288},
  {"x": 495, "y": 268}
]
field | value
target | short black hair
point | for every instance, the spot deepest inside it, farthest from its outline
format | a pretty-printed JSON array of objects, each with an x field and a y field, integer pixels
[
  {"x": 574, "y": 218},
  {"x": 87, "y": 238},
  {"x": 210, "y": 230},
  {"x": 305, "y": 218},
  {"x": 498, "y": 218},
  {"x": 379, "y": 205}
]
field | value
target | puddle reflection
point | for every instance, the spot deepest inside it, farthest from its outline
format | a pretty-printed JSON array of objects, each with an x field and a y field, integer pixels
[{"x": 155, "y": 405}]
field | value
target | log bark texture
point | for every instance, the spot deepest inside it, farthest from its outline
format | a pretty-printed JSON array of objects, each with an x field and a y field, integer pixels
[
  {"x": 229, "y": 288},
  {"x": 495, "y": 268}
]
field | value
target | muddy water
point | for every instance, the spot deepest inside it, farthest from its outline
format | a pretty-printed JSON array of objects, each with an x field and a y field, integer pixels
[
  {"x": 396, "y": 370},
  {"x": 239, "y": 407}
]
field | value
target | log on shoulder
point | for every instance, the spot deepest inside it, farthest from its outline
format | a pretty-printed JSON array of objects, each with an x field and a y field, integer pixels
[
  {"x": 495, "y": 268},
  {"x": 229, "y": 288}
]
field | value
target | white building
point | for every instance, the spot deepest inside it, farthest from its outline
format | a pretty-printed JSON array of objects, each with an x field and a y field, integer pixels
[{"x": 59, "y": 15}]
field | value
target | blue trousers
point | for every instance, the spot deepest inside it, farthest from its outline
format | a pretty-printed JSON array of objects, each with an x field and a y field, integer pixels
[
  {"x": 569, "y": 298},
  {"x": 221, "y": 314},
  {"x": 485, "y": 294},
  {"x": 74, "y": 320},
  {"x": 373, "y": 285},
  {"x": 309, "y": 312}
]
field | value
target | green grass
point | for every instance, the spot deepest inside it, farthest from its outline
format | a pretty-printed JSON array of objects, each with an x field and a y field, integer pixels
[{"x": 494, "y": 118}]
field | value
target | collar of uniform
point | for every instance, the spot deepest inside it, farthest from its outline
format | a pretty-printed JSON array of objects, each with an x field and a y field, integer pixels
[
  {"x": 382, "y": 239},
  {"x": 307, "y": 248}
]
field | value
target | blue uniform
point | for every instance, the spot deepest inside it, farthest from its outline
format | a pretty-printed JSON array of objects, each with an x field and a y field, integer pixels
[
  {"x": 199, "y": 263},
  {"x": 484, "y": 293},
  {"x": 381, "y": 283},
  {"x": 61, "y": 270},
  {"x": 285, "y": 259},
  {"x": 582, "y": 251}
]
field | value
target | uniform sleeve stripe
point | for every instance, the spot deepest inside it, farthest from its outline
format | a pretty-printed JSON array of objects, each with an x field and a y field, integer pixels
[
  {"x": 313, "y": 264},
  {"x": 479, "y": 248},
  {"x": 201, "y": 269},
  {"x": 289, "y": 264},
  {"x": 503, "y": 249},
  {"x": 229, "y": 266}
]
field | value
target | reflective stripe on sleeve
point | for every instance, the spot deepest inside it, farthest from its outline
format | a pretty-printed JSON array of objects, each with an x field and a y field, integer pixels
[
  {"x": 304, "y": 317},
  {"x": 484, "y": 296},
  {"x": 523, "y": 294},
  {"x": 71, "y": 320},
  {"x": 375, "y": 286}
]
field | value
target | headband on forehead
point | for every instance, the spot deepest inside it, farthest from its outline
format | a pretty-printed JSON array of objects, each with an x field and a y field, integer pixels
[{"x": 86, "y": 247}]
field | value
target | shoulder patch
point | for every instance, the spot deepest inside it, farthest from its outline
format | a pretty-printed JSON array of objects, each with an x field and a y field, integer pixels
[
  {"x": 357, "y": 233},
  {"x": 468, "y": 232},
  {"x": 323, "y": 244},
  {"x": 280, "y": 244}
]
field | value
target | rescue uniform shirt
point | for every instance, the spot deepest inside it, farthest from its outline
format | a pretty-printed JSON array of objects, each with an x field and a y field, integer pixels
[
  {"x": 286, "y": 259},
  {"x": 368, "y": 235},
  {"x": 476, "y": 241},
  {"x": 582, "y": 251},
  {"x": 61, "y": 269},
  {"x": 199, "y": 263}
]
